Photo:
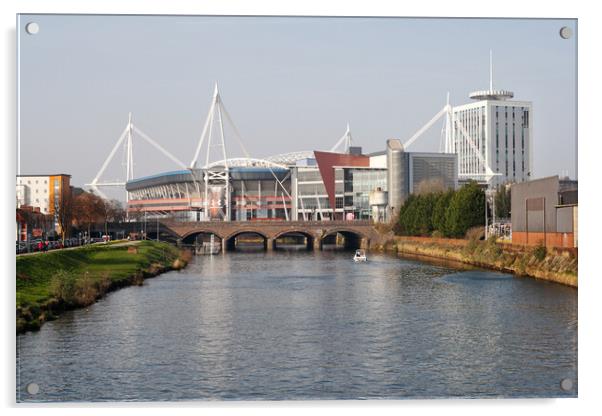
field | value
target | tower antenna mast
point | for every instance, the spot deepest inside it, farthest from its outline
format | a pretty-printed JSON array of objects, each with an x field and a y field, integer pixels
[{"x": 490, "y": 70}]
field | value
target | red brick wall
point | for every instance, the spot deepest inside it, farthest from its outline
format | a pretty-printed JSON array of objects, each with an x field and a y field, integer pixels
[
  {"x": 551, "y": 239},
  {"x": 443, "y": 241}
]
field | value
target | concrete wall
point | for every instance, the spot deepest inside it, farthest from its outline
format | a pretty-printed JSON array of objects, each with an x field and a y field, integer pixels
[
  {"x": 539, "y": 199},
  {"x": 537, "y": 217},
  {"x": 564, "y": 219}
]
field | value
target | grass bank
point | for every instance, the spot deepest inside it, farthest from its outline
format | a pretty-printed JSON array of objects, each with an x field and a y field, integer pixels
[
  {"x": 553, "y": 265},
  {"x": 49, "y": 283}
]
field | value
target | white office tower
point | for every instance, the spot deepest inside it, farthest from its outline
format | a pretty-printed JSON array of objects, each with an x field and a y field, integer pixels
[{"x": 492, "y": 137}]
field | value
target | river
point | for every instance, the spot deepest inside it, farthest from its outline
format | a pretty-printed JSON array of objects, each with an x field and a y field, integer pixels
[{"x": 309, "y": 325}]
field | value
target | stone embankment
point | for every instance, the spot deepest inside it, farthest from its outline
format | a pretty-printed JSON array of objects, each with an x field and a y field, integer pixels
[{"x": 554, "y": 265}]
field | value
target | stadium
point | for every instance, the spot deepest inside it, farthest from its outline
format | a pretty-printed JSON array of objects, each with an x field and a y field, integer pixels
[{"x": 341, "y": 183}]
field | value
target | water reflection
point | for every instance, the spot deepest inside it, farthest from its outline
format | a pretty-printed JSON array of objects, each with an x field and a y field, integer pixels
[{"x": 306, "y": 325}]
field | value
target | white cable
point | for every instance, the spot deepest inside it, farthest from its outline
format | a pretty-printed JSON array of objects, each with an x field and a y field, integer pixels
[{"x": 159, "y": 147}]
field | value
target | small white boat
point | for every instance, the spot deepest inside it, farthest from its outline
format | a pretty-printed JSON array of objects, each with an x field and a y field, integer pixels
[{"x": 360, "y": 255}]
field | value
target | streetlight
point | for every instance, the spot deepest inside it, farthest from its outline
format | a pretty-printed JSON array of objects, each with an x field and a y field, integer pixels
[{"x": 489, "y": 193}]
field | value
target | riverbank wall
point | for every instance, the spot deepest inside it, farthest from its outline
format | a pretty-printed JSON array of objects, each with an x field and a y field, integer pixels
[
  {"x": 50, "y": 283},
  {"x": 554, "y": 265}
]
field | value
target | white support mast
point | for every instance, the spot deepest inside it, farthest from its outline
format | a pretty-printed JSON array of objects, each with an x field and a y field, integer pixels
[
  {"x": 215, "y": 112},
  {"x": 450, "y": 129},
  {"x": 128, "y": 136},
  {"x": 490, "y": 70},
  {"x": 445, "y": 139},
  {"x": 130, "y": 153},
  {"x": 214, "y": 175},
  {"x": 346, "y": 140},
  {"x": 445, "y": 110}
]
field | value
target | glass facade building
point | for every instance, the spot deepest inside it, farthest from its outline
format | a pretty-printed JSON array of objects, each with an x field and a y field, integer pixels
[
  {"x": 362, "y": 181},
  {"x": 338, "y": 188}
]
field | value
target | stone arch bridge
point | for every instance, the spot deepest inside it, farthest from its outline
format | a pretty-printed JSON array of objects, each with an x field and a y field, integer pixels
[{"x": 362, "y": 233}]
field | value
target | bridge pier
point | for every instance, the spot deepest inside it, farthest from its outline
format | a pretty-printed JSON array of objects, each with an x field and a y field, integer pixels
[
  {"x": 364, "y": 243},
  {"x": 269, "y": 244},
  {"x": 317, "y": 243}
]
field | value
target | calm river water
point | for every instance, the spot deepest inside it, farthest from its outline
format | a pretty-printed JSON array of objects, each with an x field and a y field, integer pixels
[{"x": 305, "y": 325}]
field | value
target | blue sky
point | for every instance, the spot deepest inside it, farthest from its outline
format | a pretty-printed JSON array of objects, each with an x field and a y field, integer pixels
[{"x": 289, "y": 84}]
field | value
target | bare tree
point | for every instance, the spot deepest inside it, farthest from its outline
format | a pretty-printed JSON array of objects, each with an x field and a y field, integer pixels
[
  {"x": 34, "y": 220},
  {"x": 430, "y": 186},
  {"x": 136, "y": 213},
  {"x": 88, "y": 210},
  {"x": 110, "y": 211},
  {"x": 64, "y": 212},
  {"x": 117, "y": 211}
]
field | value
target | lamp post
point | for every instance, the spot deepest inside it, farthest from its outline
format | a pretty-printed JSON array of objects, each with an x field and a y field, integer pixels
[
  {"x": 486, "y": 216},
  {"x": 488, "y": 194}
]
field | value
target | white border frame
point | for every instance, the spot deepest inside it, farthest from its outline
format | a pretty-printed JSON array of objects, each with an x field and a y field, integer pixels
[{"x": 588, "y": 75}]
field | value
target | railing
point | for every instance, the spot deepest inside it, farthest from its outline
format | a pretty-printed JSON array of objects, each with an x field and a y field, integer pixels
[{"x": 328, "y": 223}]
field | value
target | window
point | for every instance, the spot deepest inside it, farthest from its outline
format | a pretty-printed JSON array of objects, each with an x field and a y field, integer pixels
[
  {"x": 338, "y": 202},
  {"x": 523, "y": 162}
]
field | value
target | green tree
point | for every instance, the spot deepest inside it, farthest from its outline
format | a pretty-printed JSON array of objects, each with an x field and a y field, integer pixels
[
  {"x": 502, "y": 202},
  {"x": 416, "y": 215},
  {"x": 440, "y": 211},
  {"x": 403, "y": 217},
  {"x": 466, "y": 210}
]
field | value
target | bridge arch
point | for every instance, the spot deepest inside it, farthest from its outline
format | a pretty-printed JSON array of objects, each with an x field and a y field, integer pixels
[
  {"x": 230, "y": 240},
  {"x": 351, "y": 239},
  {"x": 190, "y": 237},
  {"x": 308, "y": 237}
]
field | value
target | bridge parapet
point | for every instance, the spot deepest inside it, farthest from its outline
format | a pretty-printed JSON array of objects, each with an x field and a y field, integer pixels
[{"x": 271, "y": 230}]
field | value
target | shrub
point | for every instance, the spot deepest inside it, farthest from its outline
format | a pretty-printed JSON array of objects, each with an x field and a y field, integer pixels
[
  {"x": 437, "y": 234},
  {"x": 493, "y": 248},
  {"x": 475, "y": 233},
  {"x": 73, "y": 291},
  {"x": 471, "y": 247},
  {"x": 63, "y": 285},
  {"x": 416, "y": 216},
  {"x": 503, "y": 202},
  {"x": 86, "y": 291},
  {"x": 440, "y": 211},
  {"x": 540, "y": 252},
  {"x": 466, "y": 209}
]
